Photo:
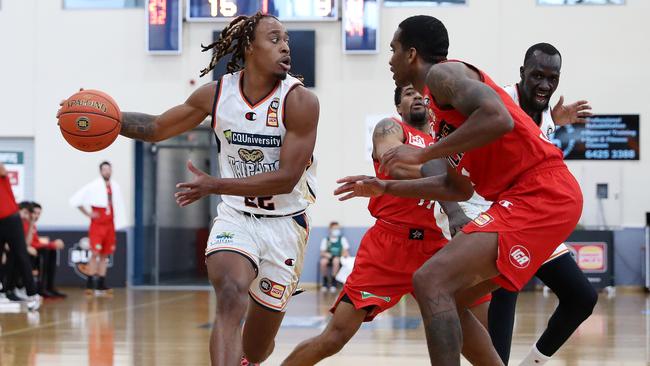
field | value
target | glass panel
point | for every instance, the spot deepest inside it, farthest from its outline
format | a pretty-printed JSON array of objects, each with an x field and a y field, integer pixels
[{"x": 175, "y": 238}]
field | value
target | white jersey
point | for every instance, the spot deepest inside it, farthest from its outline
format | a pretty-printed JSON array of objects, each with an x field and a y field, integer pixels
[
  {"x": 250, "y": 138},
  {"x": 547, "y": 126}
]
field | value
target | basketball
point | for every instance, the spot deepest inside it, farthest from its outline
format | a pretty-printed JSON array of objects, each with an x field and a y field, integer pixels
[{"x": 90, "y": 120}]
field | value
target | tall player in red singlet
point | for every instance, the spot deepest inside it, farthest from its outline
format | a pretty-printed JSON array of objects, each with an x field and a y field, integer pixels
[
  {"x": 404, "y": 236},
  {"x": 493, "y": 147}
]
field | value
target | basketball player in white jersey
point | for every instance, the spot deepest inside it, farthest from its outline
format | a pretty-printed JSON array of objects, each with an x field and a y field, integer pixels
[
  {"x": 540, "y": 76},
  {"x": 265, "y": 122}
]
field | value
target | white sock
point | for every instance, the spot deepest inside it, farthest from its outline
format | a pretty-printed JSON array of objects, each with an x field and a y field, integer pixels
[{"x": 534, "y": 358}]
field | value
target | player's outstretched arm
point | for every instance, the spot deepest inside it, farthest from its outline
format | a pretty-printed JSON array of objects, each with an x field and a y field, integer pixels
[
  {"x": 447, "y": 187},
  {"x": 301, "y": 120},
  {"x": 174, "y": 121},
  {"x": 3, "y": 170},
  {"x": 387, "y": 135}
]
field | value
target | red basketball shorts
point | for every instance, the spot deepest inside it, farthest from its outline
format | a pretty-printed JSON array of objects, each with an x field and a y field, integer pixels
[
  {"x": 102, "y": 238},
  {"x": 532, "y": 218},
  {"x": 383, "y": 269}
]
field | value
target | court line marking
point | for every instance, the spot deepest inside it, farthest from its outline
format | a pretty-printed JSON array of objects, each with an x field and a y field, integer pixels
[{"x": 51, "y": 324}]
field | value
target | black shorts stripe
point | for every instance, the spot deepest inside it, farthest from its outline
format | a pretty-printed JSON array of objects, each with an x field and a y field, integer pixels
[{"x": 301, "y": 220}]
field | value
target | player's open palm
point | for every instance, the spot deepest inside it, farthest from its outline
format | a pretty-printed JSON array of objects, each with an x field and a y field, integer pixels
[
  {"x": 571, "y": 113},
  {"x": 202, "y": 185},
  {"x": 359, "y": 186},
  {"x": 400, "y": 155}
]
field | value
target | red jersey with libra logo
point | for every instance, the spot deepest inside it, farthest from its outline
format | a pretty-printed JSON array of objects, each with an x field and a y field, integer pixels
[
  {"x": 408, "y": 212},
  {"x": 494, "y": 167}
]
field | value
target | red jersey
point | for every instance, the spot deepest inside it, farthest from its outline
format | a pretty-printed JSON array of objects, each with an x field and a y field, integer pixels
[
  {"x": 407, "y": 212},
  {"x": 104, "y": 215},
  {"x": 8, "y": 204},
  {"x": 36, "y": 240},
  {"x": 494, "y": 167}
]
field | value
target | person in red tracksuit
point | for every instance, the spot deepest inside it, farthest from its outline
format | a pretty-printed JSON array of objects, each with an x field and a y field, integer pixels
[{"x": 97, "y": 201}]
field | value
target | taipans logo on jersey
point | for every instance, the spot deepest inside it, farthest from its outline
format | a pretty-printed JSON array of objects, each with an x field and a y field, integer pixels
[
  {"x": 519, "y": 256},
  {"x": 416, "y": 140},
  {"x": 251, "y": 156},
  {"x": 251, "y": 139},
  {"x": 79, "y": 257},
  {"x": 272, "y": 113},
  {"x": 273, "y": 289},
  {"x": 251, "y": 116},
  {"x": 444, "y": 131},
  {"x": 483, "y": 219},
  {"x": 250, "y": 162}
]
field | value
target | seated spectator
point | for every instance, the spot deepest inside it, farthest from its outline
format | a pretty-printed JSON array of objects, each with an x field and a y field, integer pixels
[
  {"x": 332, "y": 248},
  {"x": 47, "y": 253}
]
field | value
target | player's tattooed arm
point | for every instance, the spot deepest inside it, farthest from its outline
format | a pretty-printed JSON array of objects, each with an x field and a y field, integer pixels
[
  {"x": 3, "y": 170},
  {"x": 457, "y": 86},
  {"x": 176, "y": 120},
  {"x": 139, "y": 126},
  {"x": 387, "y": 135}
]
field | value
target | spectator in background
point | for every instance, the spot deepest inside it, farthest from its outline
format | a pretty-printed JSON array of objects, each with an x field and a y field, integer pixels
[
  {"x": 11, "y": 233},
  {"x": 332, "y": 248},
  {"x": 101, "y": 201},
  {"x": 15, "y": 282},
  {"x": 47, "y": 254}
]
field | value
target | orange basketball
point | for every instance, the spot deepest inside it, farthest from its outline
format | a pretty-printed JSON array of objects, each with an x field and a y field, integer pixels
[{"x": 90, "y": 120}]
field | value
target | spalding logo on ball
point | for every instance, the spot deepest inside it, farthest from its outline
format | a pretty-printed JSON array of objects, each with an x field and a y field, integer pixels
[{"x": 90, "y": 120}]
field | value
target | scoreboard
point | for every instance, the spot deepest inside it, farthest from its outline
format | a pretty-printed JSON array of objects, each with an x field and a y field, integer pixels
[
  {"x": 285, "y": 10},
  {"x": 164, "y": 27}
]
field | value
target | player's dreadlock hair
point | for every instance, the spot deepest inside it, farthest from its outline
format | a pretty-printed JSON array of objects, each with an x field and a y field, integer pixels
[{"x": 234, "y": 39}]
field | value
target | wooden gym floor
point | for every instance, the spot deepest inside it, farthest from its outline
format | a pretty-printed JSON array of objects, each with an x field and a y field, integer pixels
[{"x": 153, "y": 327}]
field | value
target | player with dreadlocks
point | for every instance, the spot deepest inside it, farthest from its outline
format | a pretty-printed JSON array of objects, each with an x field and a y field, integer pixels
[{"x": 265, "y": 121}]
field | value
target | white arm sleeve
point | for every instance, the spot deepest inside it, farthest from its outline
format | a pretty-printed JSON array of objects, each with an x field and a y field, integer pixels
[{"x": 344, "y": 243}]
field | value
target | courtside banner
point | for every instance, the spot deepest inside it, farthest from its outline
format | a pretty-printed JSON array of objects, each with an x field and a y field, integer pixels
[
  {"x": 594, "y": 253},
  {"x": 72, "y": 260}
]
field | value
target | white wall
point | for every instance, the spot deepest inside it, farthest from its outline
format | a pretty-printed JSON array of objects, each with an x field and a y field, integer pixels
[{"x": 47, "y": 53}]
